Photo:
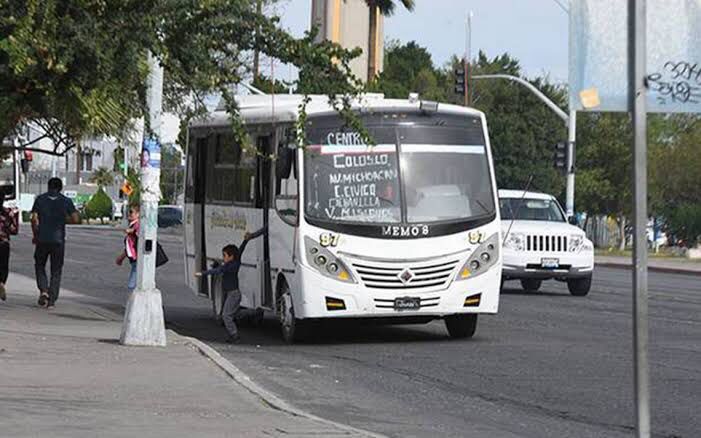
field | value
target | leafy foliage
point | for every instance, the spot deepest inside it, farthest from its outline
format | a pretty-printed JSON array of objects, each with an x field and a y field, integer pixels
[
  {"x": 523, "y": 130},
  {"x": 99, "y": 206},
  {"x": 102, "y": 177},
  {"x": 78, "y": 67}
]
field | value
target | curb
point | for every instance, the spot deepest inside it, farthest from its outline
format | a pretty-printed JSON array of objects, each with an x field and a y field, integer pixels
[
  {"x": 649, "y": 268},
  {"x": 269, "y": 398}
]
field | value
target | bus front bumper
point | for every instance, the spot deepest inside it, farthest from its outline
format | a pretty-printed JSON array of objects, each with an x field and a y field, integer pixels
[{"x": 329, "y": 298}]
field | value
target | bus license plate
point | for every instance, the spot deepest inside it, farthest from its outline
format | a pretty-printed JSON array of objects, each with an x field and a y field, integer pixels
[
  {"x": 407, "y": 303},
  {"x": 550, "y": 263}
]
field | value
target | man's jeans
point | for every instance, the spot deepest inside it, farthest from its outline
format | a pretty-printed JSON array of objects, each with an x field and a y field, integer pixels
[
  {"x": 232, "y": 311},
  {"x": 41, "y": 254}
]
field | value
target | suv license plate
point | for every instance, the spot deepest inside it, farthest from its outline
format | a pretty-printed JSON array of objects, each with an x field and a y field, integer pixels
[
  {"x": 550, "y": 263},
  {"x": 407, "y": 303}
]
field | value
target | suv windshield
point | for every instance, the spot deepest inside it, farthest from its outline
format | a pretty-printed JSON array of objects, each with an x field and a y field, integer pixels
[
  {"x": 528, "y": 209},
  {"x": 414, "y": 174}
]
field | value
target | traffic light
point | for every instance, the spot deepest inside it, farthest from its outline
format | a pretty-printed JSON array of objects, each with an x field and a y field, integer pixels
[
  {"x": 460, "y": 81},
  {"x": 561, "y": 157}
]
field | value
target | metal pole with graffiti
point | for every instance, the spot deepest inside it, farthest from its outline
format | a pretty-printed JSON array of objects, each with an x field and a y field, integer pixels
[{"x": 143, "y": 319}]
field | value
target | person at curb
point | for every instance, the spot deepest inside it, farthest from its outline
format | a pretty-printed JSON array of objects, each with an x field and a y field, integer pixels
[
  {"x": 50, "y": 213},
  {"x": 8, "y": 226},
  {"x": 230, "y": 286},
  {"x": 130, "y": 246}
]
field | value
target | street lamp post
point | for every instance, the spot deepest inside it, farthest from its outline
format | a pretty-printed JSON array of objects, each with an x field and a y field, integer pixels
[
  {"x": 569, "y": 119},
  {"x": 143, "y": 318}
]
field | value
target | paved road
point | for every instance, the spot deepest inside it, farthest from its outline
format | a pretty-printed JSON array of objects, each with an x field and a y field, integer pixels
[{"x": 548, "y": 365}]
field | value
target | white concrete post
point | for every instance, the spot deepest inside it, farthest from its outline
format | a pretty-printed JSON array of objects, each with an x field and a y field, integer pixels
[{"x": 143, "y": 319}]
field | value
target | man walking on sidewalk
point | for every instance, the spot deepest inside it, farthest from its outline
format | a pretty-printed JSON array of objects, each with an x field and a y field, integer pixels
[{"x": 50, "y": 213}]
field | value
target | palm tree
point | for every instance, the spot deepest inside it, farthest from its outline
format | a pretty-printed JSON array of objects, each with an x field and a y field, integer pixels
[
  {"x": 386, "y": 8},
  {"x": 102, "y": 177}
]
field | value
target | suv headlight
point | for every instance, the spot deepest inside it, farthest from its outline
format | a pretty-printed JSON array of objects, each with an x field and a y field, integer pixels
[
  {"x": 483, "y": 258},
  {"x": 325, "y": 262},
  {"x": 515, "y": 241},
  {"x": 574, "y": 242}
]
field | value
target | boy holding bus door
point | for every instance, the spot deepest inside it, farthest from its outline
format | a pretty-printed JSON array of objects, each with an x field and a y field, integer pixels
[{"x": 229, "y": 271}]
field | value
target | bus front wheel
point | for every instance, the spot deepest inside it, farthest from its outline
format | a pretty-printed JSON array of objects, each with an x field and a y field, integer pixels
[
  {"x": 291, "y": 327},
  {"x": 461, "y": 326}
]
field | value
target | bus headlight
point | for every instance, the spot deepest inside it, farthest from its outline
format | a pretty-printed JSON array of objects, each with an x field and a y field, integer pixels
[
  {"x": 326, "y": 263},
  {"x": 515, "y": 241},
  {"x": 483, "y": 258}
]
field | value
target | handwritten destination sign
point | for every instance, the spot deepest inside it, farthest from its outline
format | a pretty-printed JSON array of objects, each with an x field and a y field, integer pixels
[{"x": 350, "y": 181}]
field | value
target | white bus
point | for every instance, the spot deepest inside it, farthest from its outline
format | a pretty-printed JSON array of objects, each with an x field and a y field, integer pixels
[{"x": 405, "y": 230}]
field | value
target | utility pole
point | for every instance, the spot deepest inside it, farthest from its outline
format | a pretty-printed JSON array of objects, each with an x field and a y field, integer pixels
[
  {"x": 637, "y": 96},
  {"x": 571, "y": 142},
  {"x": 468, "y": 55},
  {"x": 143, "y": 318}
]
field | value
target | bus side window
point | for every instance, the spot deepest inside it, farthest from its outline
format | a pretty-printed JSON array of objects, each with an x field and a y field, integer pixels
[
  {"x": 232, "y": 170},
  {"x": 286, "y": 189}
]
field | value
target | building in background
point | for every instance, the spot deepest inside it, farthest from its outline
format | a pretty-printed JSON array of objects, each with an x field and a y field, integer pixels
[{"x": 347, "y": 22}]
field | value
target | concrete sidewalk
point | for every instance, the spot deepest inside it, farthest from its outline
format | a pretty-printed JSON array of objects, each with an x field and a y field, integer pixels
[
  {"x": 63, "y": 374},
  {"x": 668, "y": 265}
]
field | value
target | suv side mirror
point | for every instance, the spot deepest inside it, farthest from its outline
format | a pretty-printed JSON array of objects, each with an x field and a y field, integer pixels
[{"x": 572, "y": 221}]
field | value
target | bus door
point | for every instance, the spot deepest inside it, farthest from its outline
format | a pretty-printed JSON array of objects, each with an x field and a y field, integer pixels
[
  {"x": 264, "y": 146},
  {"x": 195, "y": 243}
]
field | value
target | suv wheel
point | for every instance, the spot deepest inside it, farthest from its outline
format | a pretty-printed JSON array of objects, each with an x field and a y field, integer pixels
[
  {"x": 579, "y": 287},
  {"x": 531, "y": 284}
]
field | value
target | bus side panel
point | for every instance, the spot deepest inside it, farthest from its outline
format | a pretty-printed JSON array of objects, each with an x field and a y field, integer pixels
[
  {"x": 281, "y": 251},
  {"x": 226, "y": 225},
  {"x": 190, "y": 251},
  {"x": 195, "y": 180}
]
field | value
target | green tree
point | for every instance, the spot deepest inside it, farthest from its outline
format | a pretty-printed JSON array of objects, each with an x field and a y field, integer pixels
[
  {"x": 409, "y": 68},
  {"x": 102, "y": 177},
  {"x": 675, "y": 174},
  {"x": 99, "y": 206},
  {"x": 523, "y": 130},
  {"x": 604, "y": 159},
  {"x": 78, "y": 68}
]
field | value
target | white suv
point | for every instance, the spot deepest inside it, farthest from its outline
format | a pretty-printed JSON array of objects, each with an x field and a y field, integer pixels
[{"x": 540, "y": 245}]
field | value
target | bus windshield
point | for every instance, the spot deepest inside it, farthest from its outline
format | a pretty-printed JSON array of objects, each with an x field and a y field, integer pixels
[{"x": 413, "y": 174}]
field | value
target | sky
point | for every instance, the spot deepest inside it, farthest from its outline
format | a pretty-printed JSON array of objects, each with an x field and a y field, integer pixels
[{"x": 533, "y": 31}]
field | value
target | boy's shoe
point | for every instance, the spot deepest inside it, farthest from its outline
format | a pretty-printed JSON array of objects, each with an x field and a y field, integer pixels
[
  {"x": 51, "y": 306},
  {"x": 233, "y": 339},
  {"x": 3, "y": 295}
]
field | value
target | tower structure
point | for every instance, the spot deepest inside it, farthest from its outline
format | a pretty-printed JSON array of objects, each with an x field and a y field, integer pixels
[{"x": 347, "y": 22}]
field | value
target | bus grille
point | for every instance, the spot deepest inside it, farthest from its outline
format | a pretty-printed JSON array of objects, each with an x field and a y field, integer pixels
[
  {"x": 410, "y": 277},
  {"x": 542, "y": 243}
]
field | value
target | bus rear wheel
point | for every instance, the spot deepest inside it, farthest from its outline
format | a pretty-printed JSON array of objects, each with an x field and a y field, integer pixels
[
  {"x": 461, "y": 326},
  {"x": 292, "y": 329}
]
